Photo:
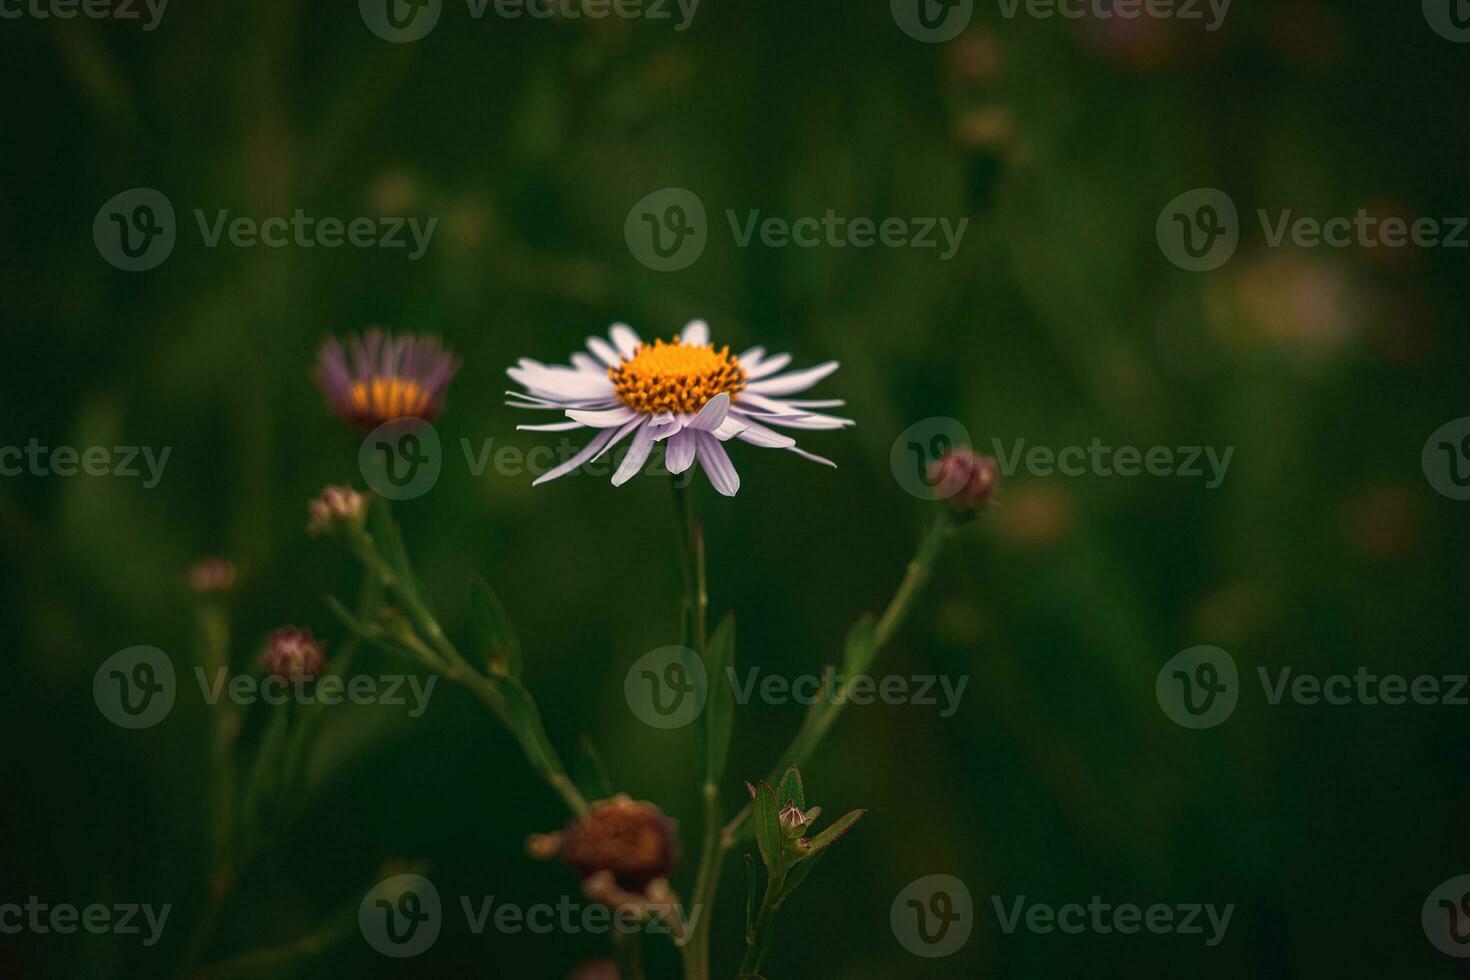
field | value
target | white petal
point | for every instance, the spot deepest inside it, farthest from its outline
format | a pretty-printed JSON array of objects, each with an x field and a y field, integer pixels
[
  {"x": 636, "y": 421},
  {"x": 717, "y": 465},
  {"x": 694, "y": 334},
  {"x": 814, "y": 457},
  {"x": 673, "y": 426},
  {"x": 758, "y": 435},
  {"x": 605, "y": 419},
  {"x": 560, "y": 382},
  {"x": 789, "y": 384},
  {"x": 583, "y": 361},
  {"x": 750, "y": 358},
  {"x": 638, "y": 451},
  {"x": 813, "y": 403},
  {"x": 730, "y": 428},
  {"x": 626, "y": 340},
  {"x": 768, "y": 367},
  {"x": 551, "y": 427},
  {"x": 712, "y": 415},
  {"x": 588, "y": 451},
  {"x": 752, "y": 404},
  {"x": 604, "y": 351},
  {"x": 679, "y": 452},
  {"x": 810, "y": 420}
]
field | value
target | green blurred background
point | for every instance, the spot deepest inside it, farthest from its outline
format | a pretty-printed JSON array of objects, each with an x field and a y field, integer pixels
[{"x": 1059, "y": 320}]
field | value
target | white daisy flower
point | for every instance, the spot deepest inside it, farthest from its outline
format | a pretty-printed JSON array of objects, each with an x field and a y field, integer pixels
[{"x": 685, "y": 394}]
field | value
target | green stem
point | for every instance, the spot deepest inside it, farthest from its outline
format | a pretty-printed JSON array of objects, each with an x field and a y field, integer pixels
[
  {"x": 433, "y": 647},
  {"x": 759, "y": 942},
  {"x": 695, "y": 951},
  {"x": 825, "y": 711},
  {"x": 630, "y": 955}
]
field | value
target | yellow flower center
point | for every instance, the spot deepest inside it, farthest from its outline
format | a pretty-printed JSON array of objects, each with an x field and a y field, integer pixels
[
  {"x": 385, "y": 399},
  {"x": 670, "y": 377}
]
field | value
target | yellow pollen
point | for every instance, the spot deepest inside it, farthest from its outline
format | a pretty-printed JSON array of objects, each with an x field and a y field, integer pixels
[
  {"x": 385, "y": 399},
  {"x": 670, "y": 377}
]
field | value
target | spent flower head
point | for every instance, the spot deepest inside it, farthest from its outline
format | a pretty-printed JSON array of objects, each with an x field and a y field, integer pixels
[
  {"x": 211, "y": 576},
  {"x": 685, "y": 394},
  {"x": 292, "y": 654},
  {"x": 376, "y": 379},
  {"x": 965, "y": 479},
  {"x": 628, "y": 842}
]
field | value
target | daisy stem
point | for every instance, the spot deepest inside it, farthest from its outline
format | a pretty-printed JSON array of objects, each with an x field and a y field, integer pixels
[
  {"x": 695, "y": 952},
  {"x": 825, "y": 711}
]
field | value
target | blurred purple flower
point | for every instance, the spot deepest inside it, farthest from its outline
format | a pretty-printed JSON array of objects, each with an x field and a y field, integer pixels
[{"x": 377, "y": 379}]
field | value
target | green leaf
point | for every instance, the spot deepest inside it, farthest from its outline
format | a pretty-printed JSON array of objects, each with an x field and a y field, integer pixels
[
  {"x": 862, "y": 642},
  {"x": 494, "y": 636},
  {"x": 514, "y": 703},
  {"x": 797, "y": 875},
  {"x": 588, "y": 773},
  {"x": 768, "y": 836},
  {"x": 839, "y": 827},
  {"x": 790, "y": 789},
  {"x": 719, "y": 711},
  {"x": 749, "y": 900}
]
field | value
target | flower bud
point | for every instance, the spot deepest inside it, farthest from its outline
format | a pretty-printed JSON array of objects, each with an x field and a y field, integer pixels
[
  {"x": 631, "y": 840},
  {"x": 209, "y": 576},
  {"x": 967, "y": 481},
  {"x": 335, "y": 507},
  {"x": 292, "y": 654}
]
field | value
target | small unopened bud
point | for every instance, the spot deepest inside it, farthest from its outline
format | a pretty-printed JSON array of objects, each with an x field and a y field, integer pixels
[
  {"x": 293, "y": 654},
  {"x": 966, "y": 480},
  {"x": 334, "y": 507},
  {"x": 212, "y": 575},
  {"x": 631, "y": 840},
  {"x": 792, "y": 816}
]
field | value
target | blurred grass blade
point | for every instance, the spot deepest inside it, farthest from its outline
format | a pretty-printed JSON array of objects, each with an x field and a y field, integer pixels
[
  {"x": 588, "y": 773},
  {"x": 719, "y": 712}
]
